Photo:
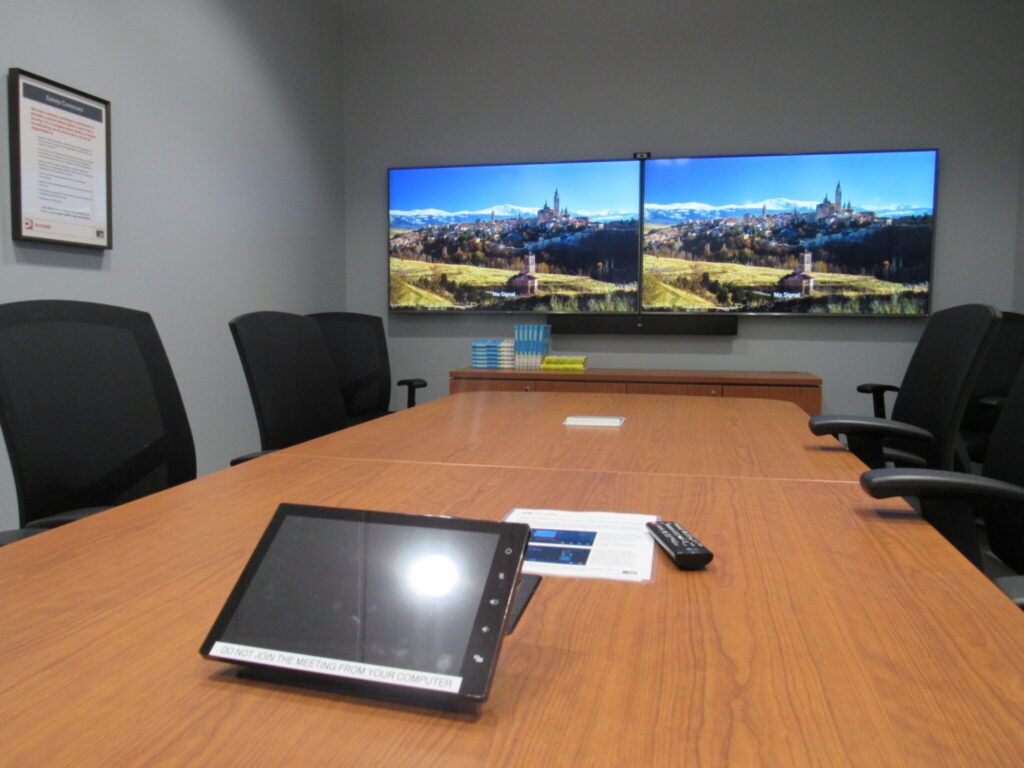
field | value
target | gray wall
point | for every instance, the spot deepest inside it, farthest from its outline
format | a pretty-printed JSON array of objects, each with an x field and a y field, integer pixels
[
  {"x": 227, "y": 172},
  {"x": 465, "y": 81}
]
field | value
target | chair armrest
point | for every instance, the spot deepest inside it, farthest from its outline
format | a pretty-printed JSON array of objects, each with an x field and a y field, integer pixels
[
  {"x": 63, "y": 518},
  {"x": 992, "y": 401},
  {"x": 903, "y": 458},
  {"x": 936, "y": 483},
  {"x": 1013, "y": 586},
  {"x": 248, "y": 457},
  {"x": 841, "y": 424},
  {"x": 877, "y": 392},
  {"x": 866, "y": 435},
  {"x": 17, "y": 534},
  {"x": 413, "y": 385}
]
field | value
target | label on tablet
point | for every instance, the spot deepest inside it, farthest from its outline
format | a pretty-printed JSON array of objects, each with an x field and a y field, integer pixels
[{"x": 337, "y": 667}]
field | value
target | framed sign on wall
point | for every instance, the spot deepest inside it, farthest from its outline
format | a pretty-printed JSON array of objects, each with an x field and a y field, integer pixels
[{"x": 60, "y": 163}]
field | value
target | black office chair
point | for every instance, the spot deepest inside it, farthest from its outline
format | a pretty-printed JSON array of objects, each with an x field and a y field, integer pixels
[
  {"x": 359, "y": 348},
  {"x": 996, "y": 377},
  {"x": 926, "y": 415},
  {"x": 291, "y": 377},
  {"x": 90, "y": 410},
  {"x": 951, "y": 501}
]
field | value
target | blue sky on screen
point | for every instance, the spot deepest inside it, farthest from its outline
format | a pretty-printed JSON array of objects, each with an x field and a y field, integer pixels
[
  {"x": 869, "y": 179},
  {"x": 584, "y": 186}
]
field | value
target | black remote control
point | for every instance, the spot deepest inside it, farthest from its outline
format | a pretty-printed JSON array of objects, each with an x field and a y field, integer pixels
[{"x": 686, "y": 552}]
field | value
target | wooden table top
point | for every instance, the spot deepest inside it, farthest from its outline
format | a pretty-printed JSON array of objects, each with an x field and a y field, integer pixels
[
  {"x": 662, "y": 434},
  {"x": 830, "y": 630}
]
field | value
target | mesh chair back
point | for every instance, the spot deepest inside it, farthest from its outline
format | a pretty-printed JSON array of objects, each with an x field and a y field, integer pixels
[
  {"x": 291, "y": 377},
  {"x": 995, "y": 378},
  {"x": 999, "y": 369},
  {"x": 940, "y": 376},
  {"x": 1004, "y": 461},
  {"x": 358, "y": 345},
  {"x": 90, "y": 410}
]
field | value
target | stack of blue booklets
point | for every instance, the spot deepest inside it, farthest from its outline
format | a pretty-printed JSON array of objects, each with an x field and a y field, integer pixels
[
  {"x": 532, "y": 344},
  {"x": 493, "y": 353}
]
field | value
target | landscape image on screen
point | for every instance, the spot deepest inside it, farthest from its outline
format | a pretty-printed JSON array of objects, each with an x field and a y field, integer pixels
[
  {"x": 847, "y": 233},
  {"x": 545, "y": 237}
]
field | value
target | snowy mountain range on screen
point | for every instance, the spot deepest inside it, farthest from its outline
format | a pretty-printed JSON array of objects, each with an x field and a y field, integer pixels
[{"x": 654, "y": 213}]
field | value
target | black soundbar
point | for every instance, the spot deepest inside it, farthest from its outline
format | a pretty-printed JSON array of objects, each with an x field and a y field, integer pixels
[{"x": 710, "y": 325}]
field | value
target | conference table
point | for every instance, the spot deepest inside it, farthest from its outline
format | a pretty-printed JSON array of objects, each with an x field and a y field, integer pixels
[
  {"x": 662, "y": 434},
  {"x": 831, "y": 629}
]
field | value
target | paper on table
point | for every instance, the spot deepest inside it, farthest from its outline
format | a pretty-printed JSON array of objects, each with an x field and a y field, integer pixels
[
  {"x": 594, "y": 421},
  {"x": 598, "y": 545}
]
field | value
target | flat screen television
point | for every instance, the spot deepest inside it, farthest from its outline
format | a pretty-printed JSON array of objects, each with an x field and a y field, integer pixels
[
  {"x": 841, "y": 233},
  {"x": 541, "y": 237},
  {"x": 845, "y": 233}
]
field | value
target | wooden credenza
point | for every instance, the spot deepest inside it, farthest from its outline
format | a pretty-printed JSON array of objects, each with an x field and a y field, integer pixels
[{"x": 798, "y": 387}]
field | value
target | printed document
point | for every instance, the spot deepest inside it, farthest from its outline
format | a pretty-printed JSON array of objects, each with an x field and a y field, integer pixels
[{"x": 597, "y": 545}]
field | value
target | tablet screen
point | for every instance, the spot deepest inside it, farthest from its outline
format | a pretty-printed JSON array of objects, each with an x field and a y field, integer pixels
[{"x": 403, "y": 600}]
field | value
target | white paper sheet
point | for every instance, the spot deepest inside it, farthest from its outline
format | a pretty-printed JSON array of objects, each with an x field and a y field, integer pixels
[
  {"x": 594, "y": 421},
  {"x": 597, "y": 545}
]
